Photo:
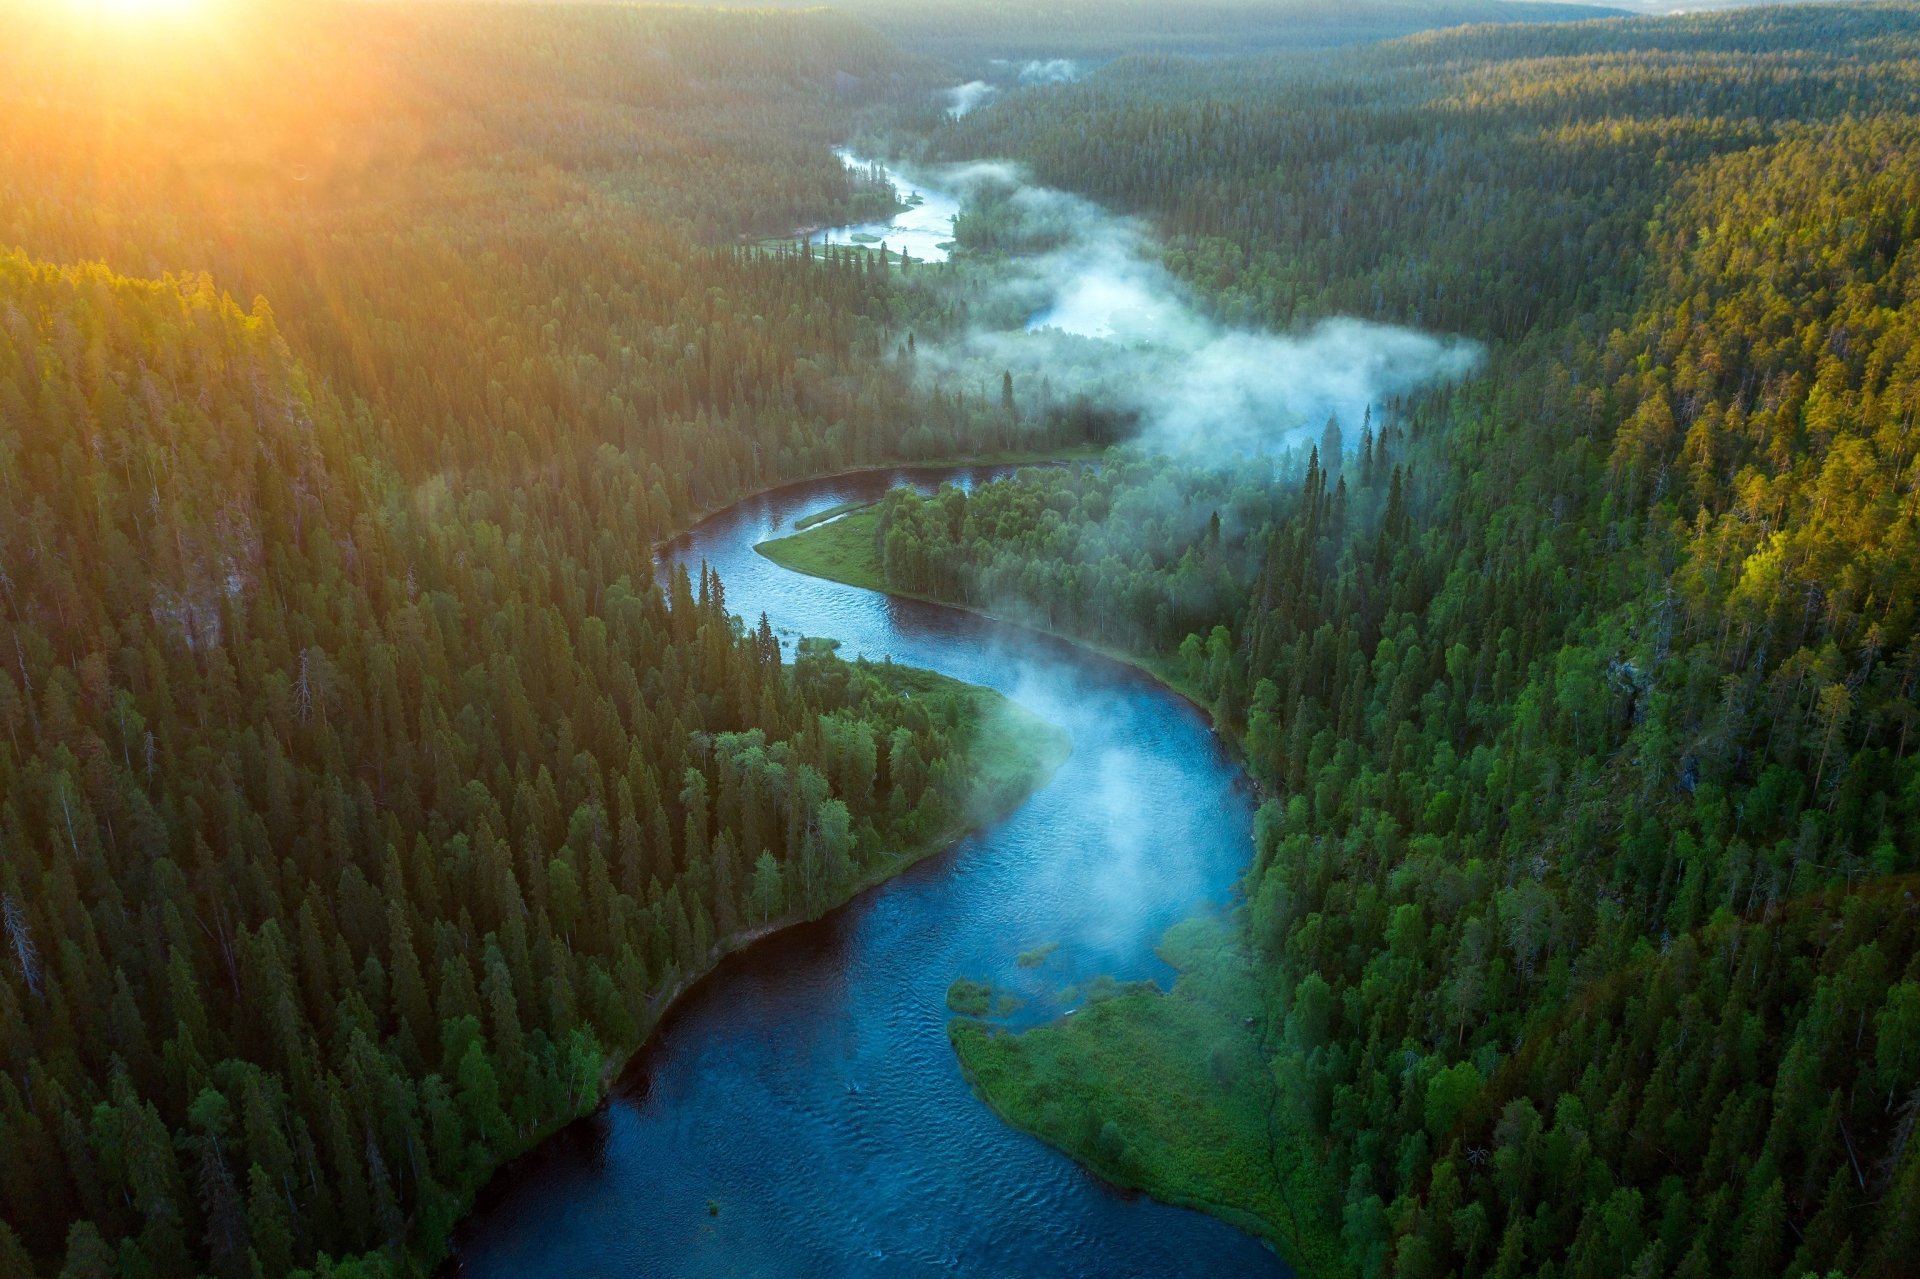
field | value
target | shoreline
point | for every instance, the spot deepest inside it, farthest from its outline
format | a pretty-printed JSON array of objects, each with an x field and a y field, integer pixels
[
  {"x": 665, "y": 1003},
  {"x": 1006, "y": 457},
  {"x": 1229, "y": 739},
  {"x": 1239, "y": 1218},
  {"x": 441, "y": 1258},
  {"x": 992, "y": 810},
  {"x": 1271, "y": 1234}
]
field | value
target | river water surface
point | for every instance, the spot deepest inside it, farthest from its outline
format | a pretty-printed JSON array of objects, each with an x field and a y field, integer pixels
[
  {"x": 924, "y": 229},
  {"x": 806, "y": 1088}
]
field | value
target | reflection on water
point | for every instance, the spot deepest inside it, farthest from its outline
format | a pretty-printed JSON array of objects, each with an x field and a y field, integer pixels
[
  {"x": 806, "y": 1089},
  {"x": 924, "y": 229}
]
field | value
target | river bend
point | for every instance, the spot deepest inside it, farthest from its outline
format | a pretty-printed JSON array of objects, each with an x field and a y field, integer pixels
[{"x": 806, "y": 1088}]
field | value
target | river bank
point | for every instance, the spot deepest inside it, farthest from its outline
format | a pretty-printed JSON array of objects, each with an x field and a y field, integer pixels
[
  {"x": 838, "y": 547},
  {"x": 808, "y": 1087},
  {"x": 1014, "y": 753},
  {"x": 1155, "y": 1091},
  {"x": 991, "y": 458},
  {"x": 1167, "y": 1093}
]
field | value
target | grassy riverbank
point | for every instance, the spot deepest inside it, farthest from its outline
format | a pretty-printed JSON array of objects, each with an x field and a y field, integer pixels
[
  {"x": 843, "y": 551},
  {"x": 992, "y": 457},
  {"x": 831, "y": 513},
  {"x": 1166, "y": 1093},
  {"x": 1169, "y": 1094}
]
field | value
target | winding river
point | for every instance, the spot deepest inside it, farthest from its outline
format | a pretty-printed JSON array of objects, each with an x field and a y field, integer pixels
[
  {"x": 799, "y": 1113},
  {"x": 923, "y": 229}
]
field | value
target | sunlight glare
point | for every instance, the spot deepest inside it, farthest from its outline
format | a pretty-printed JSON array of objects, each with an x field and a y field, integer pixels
[{"x": 132, "y": 10}]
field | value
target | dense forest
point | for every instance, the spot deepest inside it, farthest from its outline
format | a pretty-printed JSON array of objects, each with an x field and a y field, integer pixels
[
  {"x": 366, "y": 792},
  {"x": 363, "y": 797},
  {"x": 486, "y": 227},
  {"x": 995, "y": 38},
  {"x": 1584, "y": 691},
  {"x": 355, "y": 828}
]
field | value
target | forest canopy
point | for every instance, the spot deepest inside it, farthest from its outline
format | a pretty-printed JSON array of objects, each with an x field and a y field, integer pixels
[
  {"x": 366, "y": 790},
  {"x": 363, "y": 795},
  {"x": 1584, "y": 691}
]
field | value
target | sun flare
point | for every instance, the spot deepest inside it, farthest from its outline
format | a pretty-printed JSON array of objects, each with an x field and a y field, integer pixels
[{"x": 133, "y": 10}]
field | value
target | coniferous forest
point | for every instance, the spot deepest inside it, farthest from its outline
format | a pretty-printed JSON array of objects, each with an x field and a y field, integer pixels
[
  {"x": 1584, "y": 692},
  {"x": 363, "y": 796},
  {"x": 370, "y": 786}
]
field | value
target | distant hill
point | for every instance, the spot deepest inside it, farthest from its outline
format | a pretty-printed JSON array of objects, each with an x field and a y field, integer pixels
[{"x": 974, "y": 34}]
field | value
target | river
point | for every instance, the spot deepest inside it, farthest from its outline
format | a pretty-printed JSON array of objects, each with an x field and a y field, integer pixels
[
  {"x": 806, "y": 1091},
  {"x": 924, "y": 229}
]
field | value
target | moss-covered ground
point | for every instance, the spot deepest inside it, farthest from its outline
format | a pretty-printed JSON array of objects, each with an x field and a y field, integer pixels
[
  {"x": 1169, "y": 1093},
  {"x": 841, "y": 551},
  {"x": 831, "y": 513},
  {"x": 1163, "y": 1092}
]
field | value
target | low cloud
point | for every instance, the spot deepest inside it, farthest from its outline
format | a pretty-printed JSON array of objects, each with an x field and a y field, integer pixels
[
  {"x": 963, "y": 98},
  {"x": 1039, "y": 70},
  {"x": 1085, "y": 307},
  {"x": 1003, "y": 73}
]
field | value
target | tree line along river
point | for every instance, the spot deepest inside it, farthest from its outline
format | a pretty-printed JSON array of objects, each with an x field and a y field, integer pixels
[{"x": 800, "y": 1111}]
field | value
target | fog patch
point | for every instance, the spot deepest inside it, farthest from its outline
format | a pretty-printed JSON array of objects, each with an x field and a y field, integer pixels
[
  {"x": 1002, "y": 73},
  {"x": 1084, "y": 307},
  {"x": 962, "y": 98},
  {"x": 1132, "y": 856},
  {"x": 1038, "y": 70}
]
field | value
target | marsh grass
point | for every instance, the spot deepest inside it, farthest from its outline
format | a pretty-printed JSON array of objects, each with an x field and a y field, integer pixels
[
  {"x": 842, "y": 551},
  {"x": 1169, "y": 1093},
  {"x": 831, "y": 513}
]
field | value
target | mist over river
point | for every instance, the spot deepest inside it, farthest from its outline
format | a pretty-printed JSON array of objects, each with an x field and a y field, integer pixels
[
  {"x": 924, "y": 229},
  {"x": 806, "y": 1088}
]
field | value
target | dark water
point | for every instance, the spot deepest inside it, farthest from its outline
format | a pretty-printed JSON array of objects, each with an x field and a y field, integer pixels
[{"x": 807, "y": 1087}]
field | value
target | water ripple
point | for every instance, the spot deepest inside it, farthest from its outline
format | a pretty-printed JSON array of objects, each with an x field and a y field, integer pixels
[{"x": 807, "y": 1090}]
